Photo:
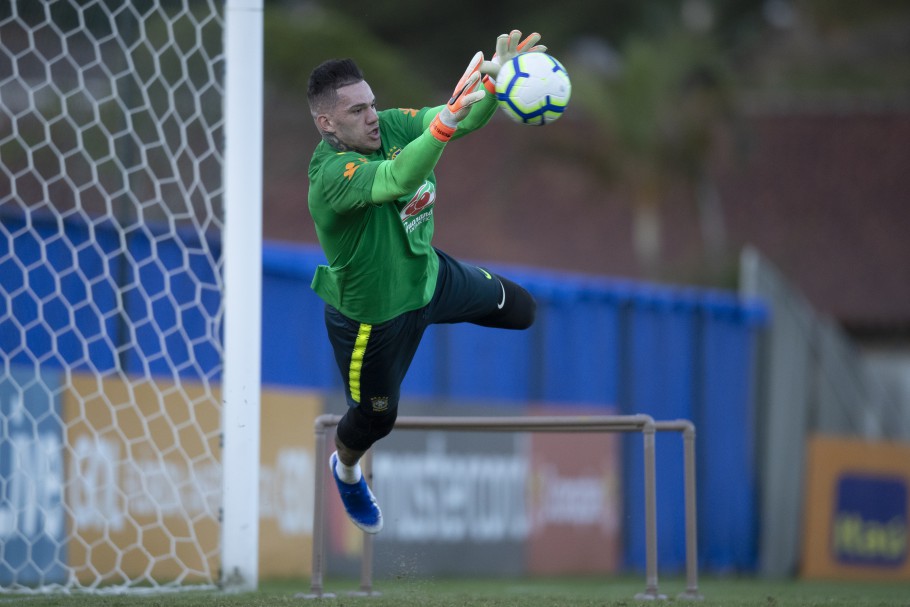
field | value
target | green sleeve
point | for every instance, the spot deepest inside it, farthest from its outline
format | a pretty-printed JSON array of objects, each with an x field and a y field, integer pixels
[
  {"x": 409, "y": 169},
  {"x": 480, "y": 114},
  {"x": 415, "y": 162}
]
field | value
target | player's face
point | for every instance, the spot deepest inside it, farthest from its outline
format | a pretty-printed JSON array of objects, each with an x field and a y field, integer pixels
[{"x": 354, "y": 120}]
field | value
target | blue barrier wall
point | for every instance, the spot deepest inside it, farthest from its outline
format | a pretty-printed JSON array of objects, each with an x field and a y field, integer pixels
[
  {"x": 621, "y": 345},
  {"x": 668, "y": 352}
]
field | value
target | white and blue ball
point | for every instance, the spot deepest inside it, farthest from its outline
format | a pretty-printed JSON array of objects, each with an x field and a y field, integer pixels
[{"x": 533, "y": 88}]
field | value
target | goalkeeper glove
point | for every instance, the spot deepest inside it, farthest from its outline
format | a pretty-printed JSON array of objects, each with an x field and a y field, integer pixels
[
  {"x": 507, "y": 47},
  {"x": 459, "y": 105}
]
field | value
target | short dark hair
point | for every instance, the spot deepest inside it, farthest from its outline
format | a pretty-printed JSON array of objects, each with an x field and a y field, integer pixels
[{"x": 327, "y": 78}]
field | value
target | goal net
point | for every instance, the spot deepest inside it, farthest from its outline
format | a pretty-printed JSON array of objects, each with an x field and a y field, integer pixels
[{"x": 114, "y": 323}]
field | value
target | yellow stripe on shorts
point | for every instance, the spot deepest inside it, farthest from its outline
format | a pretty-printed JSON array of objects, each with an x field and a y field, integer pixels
[{"x": 360, "y": 348}]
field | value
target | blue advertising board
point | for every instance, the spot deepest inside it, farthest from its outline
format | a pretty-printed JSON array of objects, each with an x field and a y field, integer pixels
[{"x": 856, "y": 512}]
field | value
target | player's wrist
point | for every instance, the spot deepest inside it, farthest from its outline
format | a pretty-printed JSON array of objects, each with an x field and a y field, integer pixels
[{"x": 440, "y": 130}]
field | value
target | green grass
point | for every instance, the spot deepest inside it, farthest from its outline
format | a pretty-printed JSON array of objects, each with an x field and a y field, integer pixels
[{"x": 583, "y": 592}]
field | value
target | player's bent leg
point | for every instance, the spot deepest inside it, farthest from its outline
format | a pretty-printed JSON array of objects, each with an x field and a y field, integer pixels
[
  {"x": 373, "y": 360},
  {"x": 358, "y": 431},
  {"x": 469, "y": 293},
  {"x": 518, "y": 310},
  {"x": 358, "y": 500}
]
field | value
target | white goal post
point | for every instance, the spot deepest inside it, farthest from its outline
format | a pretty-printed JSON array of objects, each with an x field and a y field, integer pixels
[
  {"x": 243, "y": 278},
  {"x": 130, "y": 294}
]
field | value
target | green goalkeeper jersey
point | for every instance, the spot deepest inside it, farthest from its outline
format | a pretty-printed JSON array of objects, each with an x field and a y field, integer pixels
[{"x": 380, "y": 259}]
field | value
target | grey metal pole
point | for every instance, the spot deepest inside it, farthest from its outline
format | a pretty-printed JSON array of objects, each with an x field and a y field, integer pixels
[
  {"x": 691, "y": 592},
  {"x": 366, "y": 560},
  {"x": 322, "y": 425},
  {"x": 687, "y": 429},
  {"x": 651, "y": 592}
]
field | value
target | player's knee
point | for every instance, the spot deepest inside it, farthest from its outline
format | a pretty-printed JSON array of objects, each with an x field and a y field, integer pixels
[
  {"x": 523, "y": 309},
  {"x": 359, "y": 431},
  {"x": 518, "y": 310}
]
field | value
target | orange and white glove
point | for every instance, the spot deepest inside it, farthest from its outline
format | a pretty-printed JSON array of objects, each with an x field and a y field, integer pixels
[
  {"x": 466, "y": 94},
  {"x": 508, "y": 46}
]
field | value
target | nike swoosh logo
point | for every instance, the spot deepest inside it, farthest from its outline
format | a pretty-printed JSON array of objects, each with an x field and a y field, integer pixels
[{"x": 501, "y": 286}]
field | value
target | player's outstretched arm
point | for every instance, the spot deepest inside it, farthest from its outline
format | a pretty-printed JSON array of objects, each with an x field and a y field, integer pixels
[
  {"x": 412, "y": 166},
  {"x": 466, "y": 93},
  {"x": 507, "y": 46}
]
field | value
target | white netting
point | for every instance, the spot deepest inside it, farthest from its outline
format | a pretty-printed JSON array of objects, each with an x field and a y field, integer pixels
[{"x": 111, "y": 134}]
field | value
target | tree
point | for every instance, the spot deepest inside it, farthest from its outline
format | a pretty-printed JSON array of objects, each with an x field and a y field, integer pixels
[{"x": 657, "y": 117}]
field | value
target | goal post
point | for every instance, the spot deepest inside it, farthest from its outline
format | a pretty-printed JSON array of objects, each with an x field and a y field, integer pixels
[
  {"x": 243, "y": 285},
  {"x": 130, "y": 294}
]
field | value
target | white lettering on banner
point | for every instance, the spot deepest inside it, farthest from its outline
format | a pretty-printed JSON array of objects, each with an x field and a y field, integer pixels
[
  {"x": 576, "y": 500},
  {"x": 93, "y": 491},
  {"x": 156, "y": 487},
  {"x": 287, "y": 491},
  {"x": 105, "y": 488},
  {"x": 34, "y": 503},
  {"x": 452, "y": 497}
]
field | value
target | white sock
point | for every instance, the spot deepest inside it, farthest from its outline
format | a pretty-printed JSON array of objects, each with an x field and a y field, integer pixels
[{"x": 347, "y": 474}]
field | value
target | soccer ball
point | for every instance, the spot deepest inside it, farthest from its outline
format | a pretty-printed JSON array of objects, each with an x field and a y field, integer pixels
[{"x": 533, "y": 88}]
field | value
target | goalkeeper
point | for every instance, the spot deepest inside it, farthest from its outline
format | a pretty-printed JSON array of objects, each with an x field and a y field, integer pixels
[{"x": 371, "y": 196}]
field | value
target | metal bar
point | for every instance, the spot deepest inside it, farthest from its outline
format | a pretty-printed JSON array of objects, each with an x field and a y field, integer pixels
[
  {"x": 596, "y": 423},
  {"x": 687, "y": 429},
  {"x": 691, "y": 520},
  {"x": 322, "y": 426},
  {"x": 366, "y": 560},
  {"x": 650, "y": 511},
  {"x": 651, "y": 591},
  {"x": 567, "y": 423}
]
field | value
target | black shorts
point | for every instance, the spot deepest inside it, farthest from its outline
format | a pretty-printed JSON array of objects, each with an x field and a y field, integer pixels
[{"x": 373, "y": 359}]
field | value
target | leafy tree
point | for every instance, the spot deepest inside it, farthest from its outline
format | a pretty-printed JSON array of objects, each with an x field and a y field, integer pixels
[
  {"x": 297, "y": 40},
  {"x": 657, "y": 119}
]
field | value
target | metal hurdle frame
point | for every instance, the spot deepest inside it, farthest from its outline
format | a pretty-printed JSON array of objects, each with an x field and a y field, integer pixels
[{"x": 577, "y": 423}]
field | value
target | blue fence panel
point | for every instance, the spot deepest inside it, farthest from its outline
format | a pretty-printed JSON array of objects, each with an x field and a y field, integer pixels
[
  {"x": 89, "y": 256},
  {"x": 580, "y": 326},
  {"x": 473, "y": 362},
  {"x": 295, "y": 347},
  {"x": 53, "y": 320},
  {"x": 172, "y": 297},
  {"x": 662, "y": 338},
  {"x": 485, "y": 363},
  {"x": 727, "y": 480},
  {"x": 24, "y": 340},
  {"x": 426, "y": 375}
]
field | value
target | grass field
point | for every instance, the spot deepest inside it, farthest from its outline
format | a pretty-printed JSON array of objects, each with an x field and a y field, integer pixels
[{"x": 586, "y": 592}]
